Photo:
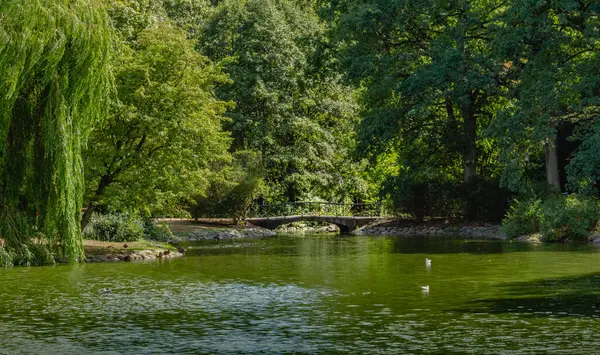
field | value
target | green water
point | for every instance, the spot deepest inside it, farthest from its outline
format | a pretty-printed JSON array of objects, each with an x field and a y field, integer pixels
[{"x": 313, "y": 294}]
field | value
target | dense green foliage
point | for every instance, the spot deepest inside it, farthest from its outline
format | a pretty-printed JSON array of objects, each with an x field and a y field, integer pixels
[
  {"x": 556, "y": 218},
  {"x": 523, "y": 218},
  {"x": 432, "y": 89},
  {"x": 164, "y": 107},
  {"x": 157, "y": 231},
  {"x": 431, "y": 83},
  {"x": 125, "y": 227},
  {"x": 115, "y": 228},
  {"x": 291, "y": 105},
  {"x": 549, "y": 48},
  {"x": 54, "y": 78},
  {"x": 573, "y": 217},
  {"x": 290, "y": 116},
  {"x": 487, "y": 90},
  {"x": 163, "y": 133},
  {"x": 234, "y": 193}
]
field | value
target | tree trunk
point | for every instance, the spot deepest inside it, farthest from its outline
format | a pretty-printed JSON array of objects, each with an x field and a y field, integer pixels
[
  {"x": 470, "y": 134},
  {"x": 551, "y": 155},
  {"x": 87, "y": 215},
  {"x": 105, "y": 180},
  {"x": 467, "y": 105}
]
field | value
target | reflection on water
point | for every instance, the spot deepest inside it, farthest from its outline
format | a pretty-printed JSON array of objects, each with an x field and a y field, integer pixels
[{"x": 313, "y": 294}]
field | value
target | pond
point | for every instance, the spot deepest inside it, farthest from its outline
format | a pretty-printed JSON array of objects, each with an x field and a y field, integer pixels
[{"x": 313, "y": 294}]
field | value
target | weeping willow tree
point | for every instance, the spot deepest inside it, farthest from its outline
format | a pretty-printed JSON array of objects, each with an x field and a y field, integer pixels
[{"x": 54, "y": 79}]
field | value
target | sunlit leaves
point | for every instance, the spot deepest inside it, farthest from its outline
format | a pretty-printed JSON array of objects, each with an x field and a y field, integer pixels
[
  {"x": 291, "y": 105},
  {"x": 164, "y": 131},
  {"x": 54, "y": 77}
]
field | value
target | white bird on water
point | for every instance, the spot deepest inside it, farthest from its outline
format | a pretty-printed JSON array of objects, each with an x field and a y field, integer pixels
[
  {"x": 427, "y": 262},
  {"x": 425, "y": 289}
]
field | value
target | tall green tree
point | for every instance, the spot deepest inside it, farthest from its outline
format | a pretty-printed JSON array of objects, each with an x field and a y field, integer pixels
[
  {"x": 550, "y": 47},
  {"x": 155, "y": 149},
  {"x": 432, "y": 85},
  {"x": 55, "y": 73},
  {"x": 291, "y": 107}
]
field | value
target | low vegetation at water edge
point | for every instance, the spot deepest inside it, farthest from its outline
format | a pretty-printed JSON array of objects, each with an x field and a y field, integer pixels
[
  {"x": 556, "y": 218},
  {"x": 125, "y": 227}
]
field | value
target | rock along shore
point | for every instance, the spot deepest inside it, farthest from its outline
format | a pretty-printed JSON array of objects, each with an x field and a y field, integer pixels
[
  {"x": 332, "y": 228},
  {"x": 224, "y": 234},
  {"x": 133, "y": 255},
  {"x": 488, "y": 231}
]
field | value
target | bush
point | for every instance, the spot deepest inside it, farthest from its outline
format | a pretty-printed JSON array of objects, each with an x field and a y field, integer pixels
[
  {"x": 232, "y": 195},
  {"x": 571, "y": 217},
  {"x": 523, "y": 218},
  {"x": 556, "y": 217},
  {"x": 124, "y": 227},
  {"x": 157, "y": 231},
  {"x": 121, "y": 227}
]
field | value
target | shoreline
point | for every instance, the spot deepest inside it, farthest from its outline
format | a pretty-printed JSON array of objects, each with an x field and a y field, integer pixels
[
  {"x": 136, "y": 255},
  {"x": 433, "y": 228},
  {"x": 485, "y": 231},
  {"x": 185, "y": 230},
  {"x": 99, "y": 251},
  {"x": 190, "y": 231}
]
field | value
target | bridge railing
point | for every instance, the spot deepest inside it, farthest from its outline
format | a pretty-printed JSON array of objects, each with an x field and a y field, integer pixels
[{"x": 316, "y": 209}]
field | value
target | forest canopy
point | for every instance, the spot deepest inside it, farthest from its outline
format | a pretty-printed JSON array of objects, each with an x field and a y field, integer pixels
[{"x": 446, "y": 109}]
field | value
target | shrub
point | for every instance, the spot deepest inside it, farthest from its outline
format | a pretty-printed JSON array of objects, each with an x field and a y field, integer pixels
[
  {"x": 157, "y": 231},
  {"x": 568, "y": 217},
  {"x": 523, "y": 218},
  {"x": 556, "y": 217},
  {"x": 232, "y": 195},
  {"x": 124, "y": 227},
  {"x": 121, "y": 227}
]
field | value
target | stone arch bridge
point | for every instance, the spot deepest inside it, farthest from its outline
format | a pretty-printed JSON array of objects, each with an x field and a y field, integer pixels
[{"x": 347, "y": 217}]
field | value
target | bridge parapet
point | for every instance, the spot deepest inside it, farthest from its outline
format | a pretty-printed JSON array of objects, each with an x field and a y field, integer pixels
[
  {"x": 347, "y": 216},
  {"x": 317, "y": 209},
  {"x": 346, "y": 224}
]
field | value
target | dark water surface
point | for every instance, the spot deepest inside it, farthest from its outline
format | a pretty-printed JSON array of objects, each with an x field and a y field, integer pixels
[{"x": 313, "y": 294}]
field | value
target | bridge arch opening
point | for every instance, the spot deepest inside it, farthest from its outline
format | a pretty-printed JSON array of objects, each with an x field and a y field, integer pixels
[{"x": 345, "y": 224}]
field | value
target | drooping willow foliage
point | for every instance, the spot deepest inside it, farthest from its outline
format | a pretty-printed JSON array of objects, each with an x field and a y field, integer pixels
[{"x": 54, "y": 78}]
